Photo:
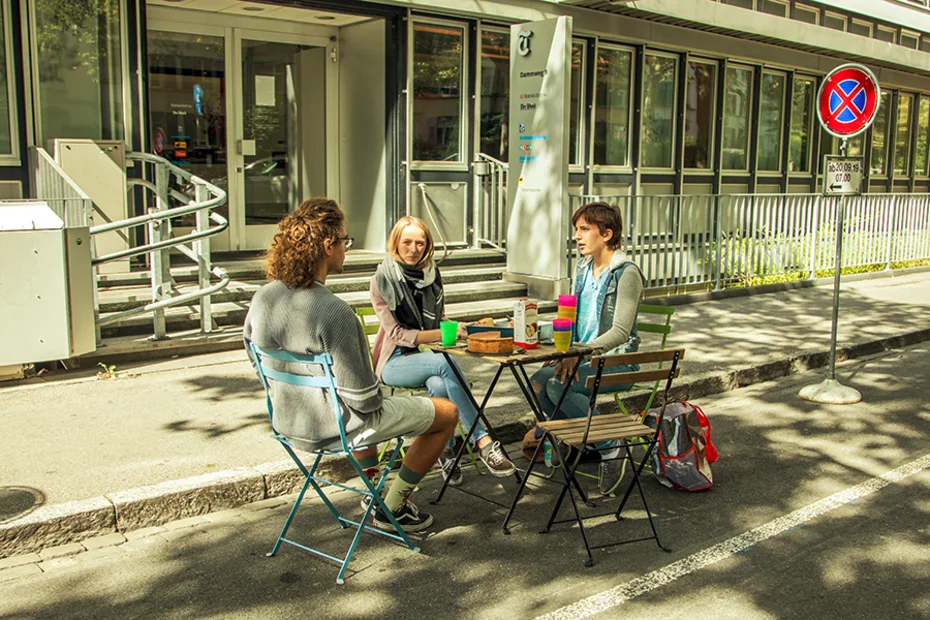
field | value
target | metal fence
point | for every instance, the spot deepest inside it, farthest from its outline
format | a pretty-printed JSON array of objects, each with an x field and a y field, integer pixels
[
  {"x": 490, "y": 204},
  {"x": 719, "y": 241},
  {"x": 57, "y": 189}
]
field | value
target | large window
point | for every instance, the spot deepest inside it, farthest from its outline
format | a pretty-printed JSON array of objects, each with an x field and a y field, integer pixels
[
  {"x": 438, "y": 68},
  {"x": 79, "y": 69},
  {"x": 7, "y": 120},
  {"x": 902, "y": 135},
  {"x": 612, "y": 107},
  {"x": 737, "y": 107},
  {"x": 771, "y": 121},
  {"x": 802, "y": 114},
  {"x": 495, "y": 93},
  {"x": 700, "y": 101},
  {"x": 923, "y": 139},
  {"x": 880, "y": 137},
  {"x": 658, "y": 117},
  {"x": 577, "y": 101}
]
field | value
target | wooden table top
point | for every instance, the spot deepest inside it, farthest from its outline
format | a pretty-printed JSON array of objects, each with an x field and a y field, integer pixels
[{"x": 543, "y": 353}]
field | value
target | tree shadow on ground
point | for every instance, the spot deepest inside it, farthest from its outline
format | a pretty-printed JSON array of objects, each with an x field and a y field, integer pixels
[{"x": 778, "y": 454}]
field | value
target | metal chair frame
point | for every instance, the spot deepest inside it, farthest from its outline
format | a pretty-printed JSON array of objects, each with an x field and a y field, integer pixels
[
  {"x": 373, "y": 491},
  {"x": 628, "y": 432}
]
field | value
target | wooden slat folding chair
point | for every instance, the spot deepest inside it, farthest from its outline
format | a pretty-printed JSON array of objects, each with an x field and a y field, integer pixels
[
  {"x": 618, "y": 428},
  {"x": 651, "y": 319},
  {"x": 270, "y": 373}
]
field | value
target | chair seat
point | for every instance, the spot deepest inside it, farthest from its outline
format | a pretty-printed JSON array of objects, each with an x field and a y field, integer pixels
[{"x": 603, "y": 428}]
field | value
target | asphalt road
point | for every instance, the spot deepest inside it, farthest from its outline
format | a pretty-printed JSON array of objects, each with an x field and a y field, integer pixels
[{"x": 772, "y": 539}]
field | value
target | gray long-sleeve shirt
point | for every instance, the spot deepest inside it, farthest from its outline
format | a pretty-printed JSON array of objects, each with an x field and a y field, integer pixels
[{"x": 313, "y": 320}]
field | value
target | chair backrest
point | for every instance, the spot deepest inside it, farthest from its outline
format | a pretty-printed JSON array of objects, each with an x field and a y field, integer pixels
[
  {"x": 655, "y": 319},
  {"x": 326, "y": 381},
  {"x": 370, "y": 328}
]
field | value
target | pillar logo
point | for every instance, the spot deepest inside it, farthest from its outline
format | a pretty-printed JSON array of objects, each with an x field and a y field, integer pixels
[{"x": 523, "y": 44}]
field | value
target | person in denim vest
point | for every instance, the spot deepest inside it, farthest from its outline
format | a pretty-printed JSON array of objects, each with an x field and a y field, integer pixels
[
  {"x": 608, "y": 286},
  {"x": 407, "y": 295}
]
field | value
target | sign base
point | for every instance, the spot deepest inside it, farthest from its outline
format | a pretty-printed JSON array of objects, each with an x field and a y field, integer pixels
[{"x": 830, "y": 392}]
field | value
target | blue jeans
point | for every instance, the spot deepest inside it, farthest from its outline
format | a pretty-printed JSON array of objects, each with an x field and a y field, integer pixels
[
  {"x": 578, "y": 396},
  {"x": 416, "y": 370}
]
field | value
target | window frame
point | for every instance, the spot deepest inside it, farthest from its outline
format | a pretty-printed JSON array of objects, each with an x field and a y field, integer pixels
[
  {"x": 781, "y": 134},
  {"x": 909, "y": 156},
  {"x": 674, "y": 130},
  {"x": 428, "y": 164},
  {"x": 614, "y": 168},
  {"x": 805, "y": 8},
  {"x": 887, "y": 29},
  {"x": 783, "y": 3},
  {"x": 751, "y": 106},
  {"x": 13, "y": 158},
  {"x": 832, "y": 15},
  {"x": 925, "y": 173},
  {"x": 887, "y": 147},
  {"x": 911, "y": 34},
  {"x": 578, "y": 147},
  {"x": 711, "y": 159},
  {"x": 479, "y": 91},
  {"x": 861, "y": 22},
  {"x": 811, "y": 123}
]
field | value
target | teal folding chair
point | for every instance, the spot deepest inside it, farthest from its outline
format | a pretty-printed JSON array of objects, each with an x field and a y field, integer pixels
[{"x": 325, "y": 382}]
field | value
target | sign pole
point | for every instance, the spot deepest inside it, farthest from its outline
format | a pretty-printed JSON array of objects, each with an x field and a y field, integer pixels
[{"x": 831, "y": 391}]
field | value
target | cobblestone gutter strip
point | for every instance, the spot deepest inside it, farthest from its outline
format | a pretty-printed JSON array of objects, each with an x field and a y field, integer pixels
[{"x": 124, "y": 513}]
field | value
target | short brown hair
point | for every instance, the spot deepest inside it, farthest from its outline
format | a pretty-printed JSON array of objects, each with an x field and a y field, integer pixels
[
  {"x": 394, "y": 239},
  {"x": 605, "y": 217},
  {"x": 297, "y": 249}
]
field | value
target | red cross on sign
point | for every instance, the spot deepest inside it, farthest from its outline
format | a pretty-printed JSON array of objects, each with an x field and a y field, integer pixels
[{"x": 848, "y": 100}]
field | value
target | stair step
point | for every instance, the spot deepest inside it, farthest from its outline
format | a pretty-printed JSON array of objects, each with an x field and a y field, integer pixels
[
  {"x": 119, "y": 298},
  {"x": 252, "y": 268}
]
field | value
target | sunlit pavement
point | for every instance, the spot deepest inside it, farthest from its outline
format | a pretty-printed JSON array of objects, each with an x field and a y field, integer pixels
[{"x": 865, "y": 558}]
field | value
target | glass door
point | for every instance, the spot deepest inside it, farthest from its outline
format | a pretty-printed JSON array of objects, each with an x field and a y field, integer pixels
[{"x": 281, "y": 158}]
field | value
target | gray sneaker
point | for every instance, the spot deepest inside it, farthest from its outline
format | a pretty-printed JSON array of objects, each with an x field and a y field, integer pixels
[
  {"x": 493, "y": 458},
  {"x": 609, "y": 475},
  {"x": 451, "y": 471}
]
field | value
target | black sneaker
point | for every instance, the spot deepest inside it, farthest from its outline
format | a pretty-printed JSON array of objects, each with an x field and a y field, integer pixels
[
  {"x": 493, "y": 458},
  {"x": 451, "y": 471},
  {"x": 408, "y": 516}
]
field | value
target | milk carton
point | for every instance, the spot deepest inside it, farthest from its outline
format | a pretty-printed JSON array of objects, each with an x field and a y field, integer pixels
[{"x": 525, "y": 332}]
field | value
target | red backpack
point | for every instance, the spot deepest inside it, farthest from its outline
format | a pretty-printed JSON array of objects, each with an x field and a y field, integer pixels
[{"x": 682, "y": 458}]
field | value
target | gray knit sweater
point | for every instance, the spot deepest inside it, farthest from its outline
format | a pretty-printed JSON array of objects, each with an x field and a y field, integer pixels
[{"x": 313, "y": 320}]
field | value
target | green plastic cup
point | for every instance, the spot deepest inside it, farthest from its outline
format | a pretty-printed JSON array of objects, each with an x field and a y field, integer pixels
[
  {"x": 563, "y": 340},
  {"x": 450, "y": 331}
]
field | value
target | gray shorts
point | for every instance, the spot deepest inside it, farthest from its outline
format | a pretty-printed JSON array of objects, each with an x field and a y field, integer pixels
[{"x": 399, "y": 415}]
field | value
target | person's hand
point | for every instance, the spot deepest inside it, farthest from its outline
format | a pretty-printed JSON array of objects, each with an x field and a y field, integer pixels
[
  {"x": 462, "y": 332},
  {"x": 566, "y": 368}
]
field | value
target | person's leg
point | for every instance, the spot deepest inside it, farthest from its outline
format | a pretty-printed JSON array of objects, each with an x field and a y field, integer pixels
[
  {"x": 538, "y": 382},
  {"x": 418, "y": 370}
]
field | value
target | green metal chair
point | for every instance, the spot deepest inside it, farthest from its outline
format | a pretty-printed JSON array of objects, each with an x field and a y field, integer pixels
[
  {"x": 658, "y": 320},
  {"x": 325, "y": 382},
  {"x": 370, "y": 327}
]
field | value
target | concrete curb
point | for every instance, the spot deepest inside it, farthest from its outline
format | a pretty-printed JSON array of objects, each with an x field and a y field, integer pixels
[{"x": 134, "y": 509}]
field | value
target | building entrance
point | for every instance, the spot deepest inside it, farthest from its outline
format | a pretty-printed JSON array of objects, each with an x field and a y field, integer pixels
[{"x": 253, "y": 110}]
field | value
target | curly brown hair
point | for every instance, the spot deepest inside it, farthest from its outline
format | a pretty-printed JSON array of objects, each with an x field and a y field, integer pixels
[
  {"x": 605, "y": 217},
  {"x": 297, "y": 249}
]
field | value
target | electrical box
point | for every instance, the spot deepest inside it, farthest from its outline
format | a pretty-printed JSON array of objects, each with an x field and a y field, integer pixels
[{"x": 46, "y": 286}]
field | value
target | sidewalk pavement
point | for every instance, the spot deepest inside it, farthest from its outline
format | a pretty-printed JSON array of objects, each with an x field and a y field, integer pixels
[
  {"x": 154, "y": 442},
  {"x": 816, "y": 512}
]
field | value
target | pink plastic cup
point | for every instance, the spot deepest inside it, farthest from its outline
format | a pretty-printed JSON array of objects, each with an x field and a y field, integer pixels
[
  {"x": 561, "y": 325},
  {"x": 568, "y": 300}
]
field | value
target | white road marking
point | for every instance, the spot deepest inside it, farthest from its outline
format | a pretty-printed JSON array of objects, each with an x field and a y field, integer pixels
[{"x": 622, "y": 593}]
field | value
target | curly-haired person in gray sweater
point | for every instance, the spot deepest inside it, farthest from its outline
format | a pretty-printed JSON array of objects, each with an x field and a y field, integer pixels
[{"x": 295, "y": 312}]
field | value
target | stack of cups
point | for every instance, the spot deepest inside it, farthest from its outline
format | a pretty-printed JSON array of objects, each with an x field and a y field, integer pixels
[
  {"x": 568, "y": 305},
  {"x": 562, "y": 333}
]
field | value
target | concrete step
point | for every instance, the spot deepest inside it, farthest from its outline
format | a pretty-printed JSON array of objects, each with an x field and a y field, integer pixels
[
  {"x": 464, "y": 301},
  {"x": 251, "y": 266},
  {"x": 120, "y": 298}
]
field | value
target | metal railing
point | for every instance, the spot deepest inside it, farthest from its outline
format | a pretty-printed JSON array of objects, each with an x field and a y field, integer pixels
[
  {"x": 57, "y": 189},
  {"x": 720, "y": 241},
  {"x": 490, "y": 202},
  {"x": 160, "y": 240}
]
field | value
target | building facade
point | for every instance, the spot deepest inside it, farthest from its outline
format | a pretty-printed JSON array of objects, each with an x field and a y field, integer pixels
[{"x": 386, "y": 105}]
